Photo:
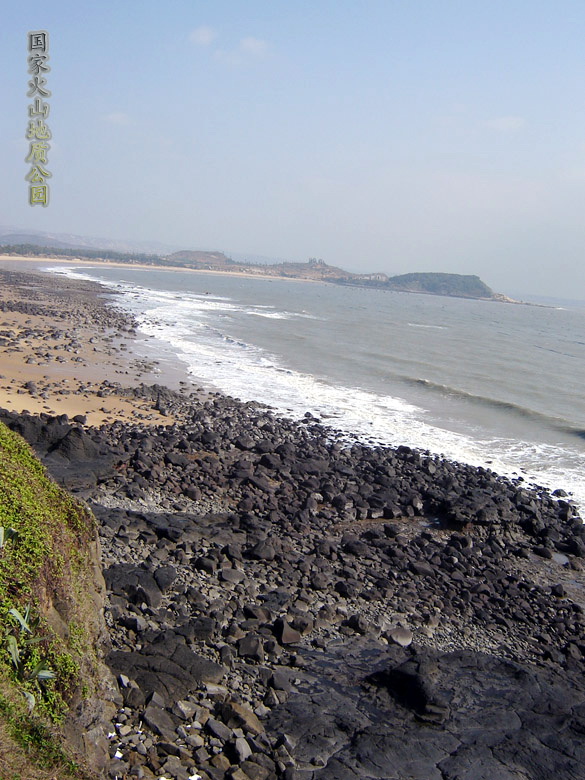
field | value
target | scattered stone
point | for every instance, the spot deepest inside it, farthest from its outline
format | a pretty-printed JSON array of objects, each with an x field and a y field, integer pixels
[{"x": 399, "y": 635}]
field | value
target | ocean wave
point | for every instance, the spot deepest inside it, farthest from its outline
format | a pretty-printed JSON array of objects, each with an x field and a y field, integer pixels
[
  {"x": 271, "y": 315},
  {"x": 249, "y": 373},
  {"x": 279, "y": 315},
  {"x": 246, "y": 371},
  {"x": 554, "y": 422}
]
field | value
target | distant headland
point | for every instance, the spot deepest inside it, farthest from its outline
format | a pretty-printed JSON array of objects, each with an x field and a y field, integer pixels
[{"x": 316, "y": 270}]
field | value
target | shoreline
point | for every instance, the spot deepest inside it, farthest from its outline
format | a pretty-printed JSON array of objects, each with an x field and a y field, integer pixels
[
  {"x": 7, "y": 260},
  {"x": 140, "y": 357},
  {"x": 287, "y": 596}
]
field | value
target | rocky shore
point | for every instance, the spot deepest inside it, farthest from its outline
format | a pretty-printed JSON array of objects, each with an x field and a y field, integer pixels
[{"x": 284, "y": 603}]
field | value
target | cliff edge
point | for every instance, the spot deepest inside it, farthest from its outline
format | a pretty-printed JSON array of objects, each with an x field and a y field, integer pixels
[{"x": 54, "y": 690}]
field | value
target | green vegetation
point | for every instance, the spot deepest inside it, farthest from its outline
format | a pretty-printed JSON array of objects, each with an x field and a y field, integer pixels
[
  {"x": 33, "y": 746},
  {"x": 30, "y": 668},
  {"x": 46, "y": 614}
]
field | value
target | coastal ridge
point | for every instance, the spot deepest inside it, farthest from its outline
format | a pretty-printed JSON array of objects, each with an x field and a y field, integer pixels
[{"x": 316, "y": 270}]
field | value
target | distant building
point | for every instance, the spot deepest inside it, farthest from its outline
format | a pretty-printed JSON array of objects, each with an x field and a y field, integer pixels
[{"x": 373, "y": 277}]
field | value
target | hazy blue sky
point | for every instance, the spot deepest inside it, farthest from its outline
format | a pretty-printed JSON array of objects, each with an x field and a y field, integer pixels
[{"x": 394, "y": 135}]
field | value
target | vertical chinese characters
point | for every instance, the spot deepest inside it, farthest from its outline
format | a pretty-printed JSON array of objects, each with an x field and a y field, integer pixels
[{"x": 38, "y": 132}]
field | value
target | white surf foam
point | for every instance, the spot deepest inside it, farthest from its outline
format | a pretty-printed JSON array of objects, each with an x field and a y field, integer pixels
[
  {"x": 191, "y": 324},
  {"x": 422, "y": 325}
]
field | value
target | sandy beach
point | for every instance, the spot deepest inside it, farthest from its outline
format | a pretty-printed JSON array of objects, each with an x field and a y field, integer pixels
[
  {"x": 64, "y": 350},
  {"x": 61, "y": 340}
]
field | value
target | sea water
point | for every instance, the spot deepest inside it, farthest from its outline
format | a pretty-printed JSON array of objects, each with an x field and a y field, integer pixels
[{"x": 482, "y": 382}]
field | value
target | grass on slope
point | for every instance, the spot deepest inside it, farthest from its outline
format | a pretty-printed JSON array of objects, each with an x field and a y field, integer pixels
[{"x": 46, "y": 566}]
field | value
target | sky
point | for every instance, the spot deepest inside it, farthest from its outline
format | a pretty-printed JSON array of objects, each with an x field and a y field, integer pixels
[{"x": 378, "y": 135}]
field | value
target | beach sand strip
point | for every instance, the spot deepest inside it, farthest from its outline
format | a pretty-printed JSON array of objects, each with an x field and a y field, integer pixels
[{"x": 65, "y": 349}]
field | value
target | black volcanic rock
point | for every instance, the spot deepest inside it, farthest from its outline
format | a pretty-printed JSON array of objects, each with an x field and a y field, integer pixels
[
  {"x": 433, "y": 715},
  {"x": 166, "y": 666},
  {"x": 286, "y": 557}
]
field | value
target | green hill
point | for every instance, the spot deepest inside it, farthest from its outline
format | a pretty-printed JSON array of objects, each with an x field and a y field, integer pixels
[{"x": 441, "y": 284}]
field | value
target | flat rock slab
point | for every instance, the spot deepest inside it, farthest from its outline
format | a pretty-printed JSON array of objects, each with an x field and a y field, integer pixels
[
  {"x": 167, "y": 667},
  {"x": 432, "y": 716}
]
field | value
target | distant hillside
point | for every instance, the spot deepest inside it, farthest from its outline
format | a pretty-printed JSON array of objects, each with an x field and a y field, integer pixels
[
  {"x": 29, "y": 239},
  {"x": 314, "y": 269},
  {"x": 197, "y": 259},
  {"x": 442, "y": 284},
  {"x": 456, "y": 285},
  {"x": 11, "y": 235}
]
